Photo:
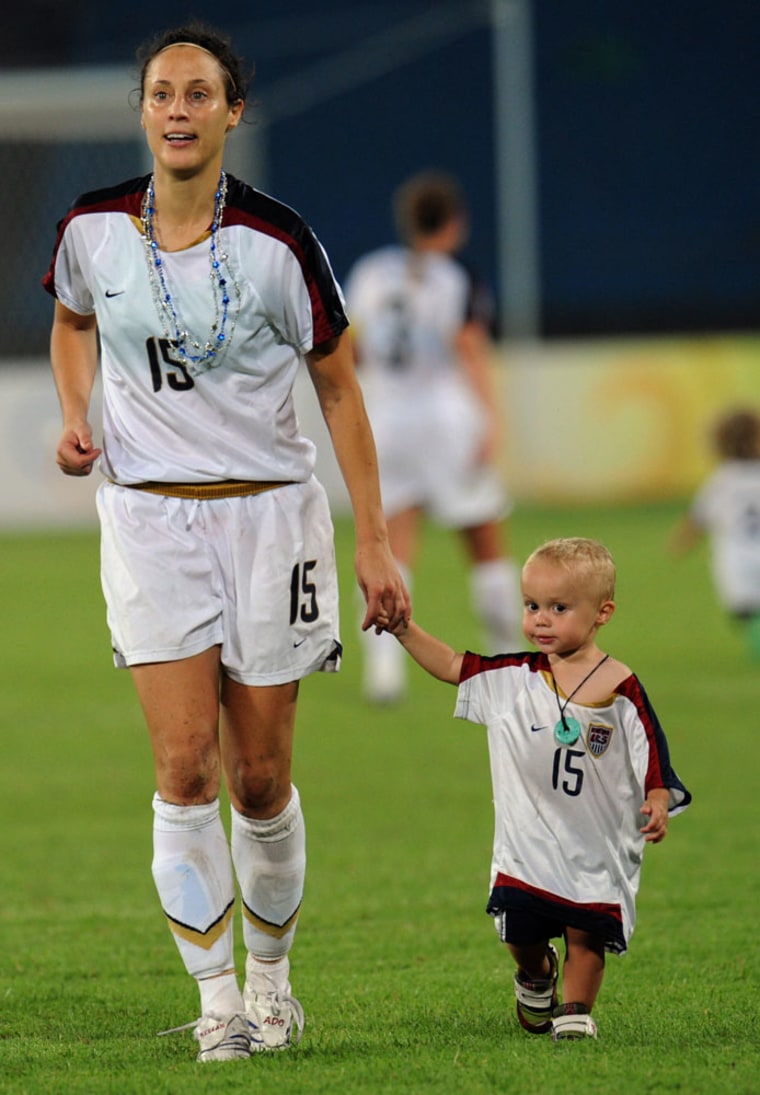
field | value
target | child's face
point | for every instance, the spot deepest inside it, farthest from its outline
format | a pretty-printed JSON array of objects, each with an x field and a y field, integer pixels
[{"x": 562, "y": 611}]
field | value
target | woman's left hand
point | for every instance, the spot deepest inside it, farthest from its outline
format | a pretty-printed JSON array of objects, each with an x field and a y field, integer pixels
[{"x": 388, "y": 600}]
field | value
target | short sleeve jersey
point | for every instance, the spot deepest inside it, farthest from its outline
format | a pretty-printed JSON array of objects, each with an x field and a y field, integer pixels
[
  {"x": 567, "y": 817},
  {"x": 236, "y": 420},
  {"x": 406, "y": 308}
]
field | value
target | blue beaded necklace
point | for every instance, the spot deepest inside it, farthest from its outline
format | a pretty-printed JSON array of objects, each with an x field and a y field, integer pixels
[{"x": 195, "y": 355}]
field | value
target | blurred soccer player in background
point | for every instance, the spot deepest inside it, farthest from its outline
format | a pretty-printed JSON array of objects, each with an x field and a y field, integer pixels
[{"x": 422, "y": 333}]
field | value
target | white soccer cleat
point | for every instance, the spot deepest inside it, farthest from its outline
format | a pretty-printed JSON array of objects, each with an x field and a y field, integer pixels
[
  {"x": 223, "y": 1039},
  {"x": 571, "y": 1022},
  {"x": 275, "y": 1018}
]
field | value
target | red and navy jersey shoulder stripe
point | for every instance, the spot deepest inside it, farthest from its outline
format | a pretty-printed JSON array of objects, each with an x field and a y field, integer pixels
[
  {"x": 472, "y": 664},
  {"x": 252, "y": 209},
  {"x": 659, "y": 770},
  {"x": 126, "y": 197},
  {"x": 262, "y": 213}
]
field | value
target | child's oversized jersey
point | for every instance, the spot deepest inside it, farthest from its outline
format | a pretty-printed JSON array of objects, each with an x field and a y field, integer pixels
[
  {"x": 154, "y": 410},
  {"x": 567, "y": 817}
]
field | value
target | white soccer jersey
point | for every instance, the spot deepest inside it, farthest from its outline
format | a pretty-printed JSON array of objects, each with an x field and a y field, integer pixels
[
  {"x": 727, "y": 506},
  {"x": 154, "y": 411},
  {"x": 406, "y": 310},
  {"x": 567, "y": 817}
]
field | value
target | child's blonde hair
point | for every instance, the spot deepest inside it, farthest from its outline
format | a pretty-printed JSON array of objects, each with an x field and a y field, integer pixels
[
  {"x": 736, "y": 434},
  {"x": 588, "y": 559}
]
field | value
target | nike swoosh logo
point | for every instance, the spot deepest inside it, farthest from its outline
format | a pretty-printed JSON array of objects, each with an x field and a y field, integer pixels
[
  {"x": 299, "y": 643},
  {"x": 110, "y": 293},
  {"x": 535, "y": 728}
]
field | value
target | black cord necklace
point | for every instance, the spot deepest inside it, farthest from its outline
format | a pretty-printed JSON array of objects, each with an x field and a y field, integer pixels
[{"x": 568, "y": 730}]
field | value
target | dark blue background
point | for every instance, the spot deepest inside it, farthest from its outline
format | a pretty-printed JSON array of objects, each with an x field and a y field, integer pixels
[{"x": 648, "y": 160}]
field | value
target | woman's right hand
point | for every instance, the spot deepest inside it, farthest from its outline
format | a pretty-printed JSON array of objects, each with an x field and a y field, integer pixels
[{"x": 75, "y": 454}]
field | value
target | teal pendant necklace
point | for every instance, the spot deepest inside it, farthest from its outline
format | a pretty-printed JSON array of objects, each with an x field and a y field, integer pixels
[{"x": 568, "y": 730}]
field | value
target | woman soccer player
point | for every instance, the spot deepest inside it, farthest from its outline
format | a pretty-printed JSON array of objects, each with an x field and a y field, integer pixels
[
  {"x": 422, "y": 339},
  {"x": 218, "y": 563}
]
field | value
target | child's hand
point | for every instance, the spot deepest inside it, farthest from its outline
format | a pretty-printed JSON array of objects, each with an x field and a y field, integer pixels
[
  {"x": 383, "y": 623},
  {"x": 656, "y": 809}
]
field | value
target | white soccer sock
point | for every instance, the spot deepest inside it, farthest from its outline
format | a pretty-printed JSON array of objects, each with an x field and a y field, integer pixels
[
  {"x": 270, "y": 863},
  {"x": 497, "y": 600},
  {"x": 192, "y": 870},
  {"x": 220, "y": 996},
  {"x": 385, "y": 668},
  {"x": 263, "y": 976}
]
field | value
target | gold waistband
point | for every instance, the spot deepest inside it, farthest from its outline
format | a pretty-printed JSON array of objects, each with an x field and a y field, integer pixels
[{"x": 225, "y": 488}]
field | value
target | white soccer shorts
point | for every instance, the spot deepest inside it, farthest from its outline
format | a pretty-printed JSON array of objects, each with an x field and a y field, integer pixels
[
  {"x": 254, "y": 574},
  {"x": 427, "y": 445}
]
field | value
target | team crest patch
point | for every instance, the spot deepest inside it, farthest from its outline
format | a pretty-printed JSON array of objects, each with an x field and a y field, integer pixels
[{"x": 598, "y": 738}]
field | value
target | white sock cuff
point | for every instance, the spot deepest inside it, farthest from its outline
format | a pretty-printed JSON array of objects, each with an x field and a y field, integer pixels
[
  {"x": 220, "y": 995},
  {"x": 273, "y": 828},
  {"x": 170, "y": 818},
  {"x": 495, "y": 590},
  {"x": 261, "y": 976},
  {"x": 495, "y": 571}
]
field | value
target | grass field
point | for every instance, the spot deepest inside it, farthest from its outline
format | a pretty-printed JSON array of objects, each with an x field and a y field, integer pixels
[{"x": 405, "y": 986}]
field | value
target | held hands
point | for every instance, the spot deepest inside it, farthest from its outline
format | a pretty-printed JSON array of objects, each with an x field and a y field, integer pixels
[
  {"x": 75, "y": 454},
  {"x": 656, "y": 809},
  {"x": 385, "y": 623},
  {"x": 388, "y": 603}
]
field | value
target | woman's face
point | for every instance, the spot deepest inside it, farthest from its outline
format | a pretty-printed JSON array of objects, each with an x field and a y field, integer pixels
[{"x": 185, "y": 112}]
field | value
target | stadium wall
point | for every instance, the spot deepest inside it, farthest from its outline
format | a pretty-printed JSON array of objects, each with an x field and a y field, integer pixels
[
  {"x": 623, "y": 420},
  {"x": 585, "y": 422}
]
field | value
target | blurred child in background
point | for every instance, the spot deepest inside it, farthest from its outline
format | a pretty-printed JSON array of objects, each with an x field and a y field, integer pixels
[{"x": 726, "y": 509}]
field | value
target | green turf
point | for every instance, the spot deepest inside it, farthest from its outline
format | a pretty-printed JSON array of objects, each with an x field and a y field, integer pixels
[{"x": 403, "y": 981}]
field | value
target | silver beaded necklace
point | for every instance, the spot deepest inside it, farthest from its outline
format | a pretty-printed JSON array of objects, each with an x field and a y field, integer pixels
[{"x": 197, "y": 356}]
